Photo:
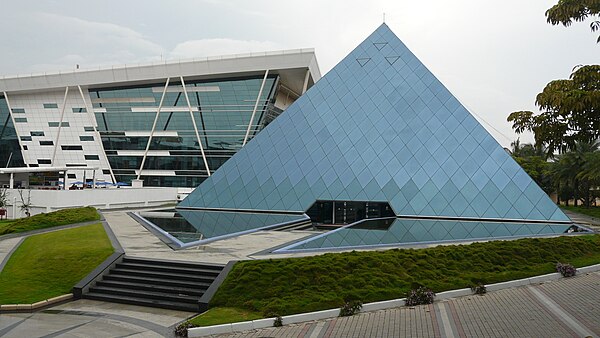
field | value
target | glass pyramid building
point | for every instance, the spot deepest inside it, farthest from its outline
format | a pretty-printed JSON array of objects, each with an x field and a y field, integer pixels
[{"x": 379, "y": 127}]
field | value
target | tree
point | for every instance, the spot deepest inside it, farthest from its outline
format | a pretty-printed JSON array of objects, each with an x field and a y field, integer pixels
[
  {"x": 565, "y": 12},
  {"x": 25, "y": 202},
  {"x": 570, "y": 112},
  {"x": 570, "y": 173},
  {"x": 533, "y": 160}
]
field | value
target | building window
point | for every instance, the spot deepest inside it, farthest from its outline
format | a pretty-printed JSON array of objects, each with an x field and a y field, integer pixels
[
  {"x": 92, "y": 157},
  {"x": 44, "y": 161},
  {"x": 18, "y": 111},
  {"x": 89, "y": 129},
  {"x": 71, "y": 175},
  {"x": 86, "y": 138},
  {"x": 25, "y": 138},
  {"x": 50, "y": 105},
  {"x": 56, "y": 124},
  {"x": 20, "y": 120},
  {"x": 106, "y": 171},
  {"x": 76, "y": 165},
  {"x": 24, "y": 147},
  {"x": 46, "y": 143},
  {"x": 37, "y": 133},
  {"x": 69, "y": 147},
  {"x": 79, "y": 110}
]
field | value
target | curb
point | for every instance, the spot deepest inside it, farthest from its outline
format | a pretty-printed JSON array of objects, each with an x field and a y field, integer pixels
[
  {"x": 387, "y": 304},
  {"x": 7, "y": 308}
]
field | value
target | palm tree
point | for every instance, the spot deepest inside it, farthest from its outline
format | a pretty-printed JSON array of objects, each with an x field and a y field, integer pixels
[{"x": 577, "y": 169}]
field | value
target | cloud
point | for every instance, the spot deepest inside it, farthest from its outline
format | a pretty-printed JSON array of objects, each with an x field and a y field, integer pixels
[
  {"x": 66, "y": 41},
  {"x": 215, "y": 47}
]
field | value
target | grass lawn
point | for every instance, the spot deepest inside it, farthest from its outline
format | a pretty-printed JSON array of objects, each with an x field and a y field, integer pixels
[
  {"x": 49, "y": 265},
  {"x": 591, "y": 211},
  {"x": 51, "y": 219},
  {"x": 5, "y": 222},
  {"x": 224, "y": 315},
  {"x": 296, "y": 285}
]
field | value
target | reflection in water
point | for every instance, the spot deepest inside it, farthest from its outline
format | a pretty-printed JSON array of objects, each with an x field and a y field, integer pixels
[{"x": 193, "y": 225}]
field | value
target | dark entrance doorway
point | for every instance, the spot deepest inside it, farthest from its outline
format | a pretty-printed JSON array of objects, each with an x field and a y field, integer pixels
[{"x": 346, "y": 212}]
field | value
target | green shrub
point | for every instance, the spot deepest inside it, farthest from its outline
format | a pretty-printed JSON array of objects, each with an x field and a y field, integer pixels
[
  {"x": 304, "y": 284},
  {"x": 51, "y": 219},
  {"x": 350, "y": 308}
]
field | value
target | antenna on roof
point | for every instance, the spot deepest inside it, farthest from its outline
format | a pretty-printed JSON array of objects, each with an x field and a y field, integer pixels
[{"x": 383, "y": 17}]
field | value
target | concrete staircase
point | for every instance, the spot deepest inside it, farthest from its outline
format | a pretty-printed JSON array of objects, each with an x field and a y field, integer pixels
[{"x": 155, "y": 283}]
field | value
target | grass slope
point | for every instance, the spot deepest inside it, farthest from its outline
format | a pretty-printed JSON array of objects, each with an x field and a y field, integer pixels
[
  {"x": 51, "y": 219},
  {"x": 49, "y": 265},
  {"x": 295, "y": 285},
  {"x": 223, "y": 315},
  {"x": 591, "y": 211}
]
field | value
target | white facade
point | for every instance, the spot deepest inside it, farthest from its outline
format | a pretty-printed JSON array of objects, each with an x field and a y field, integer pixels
[{"x": 55, "y": 115}]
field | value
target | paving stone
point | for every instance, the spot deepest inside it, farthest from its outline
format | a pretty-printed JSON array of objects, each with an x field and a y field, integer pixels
[{"x": 516, "y": 312}]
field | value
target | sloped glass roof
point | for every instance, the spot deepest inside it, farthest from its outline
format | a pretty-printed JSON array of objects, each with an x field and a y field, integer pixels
[
  {"x": 378, "y": 127},
  {"x": 399, "y": 232}
]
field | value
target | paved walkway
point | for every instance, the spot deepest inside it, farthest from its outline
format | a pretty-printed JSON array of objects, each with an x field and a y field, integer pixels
[
  {"x": 138, "y": 241},
  {"x": 589, "y": 221},
  {"x": 569, "y": 307},
  {"x": 88, "y": 318}
]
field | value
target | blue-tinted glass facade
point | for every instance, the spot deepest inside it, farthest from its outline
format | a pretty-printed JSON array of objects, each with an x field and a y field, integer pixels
[
  {"x": 378, "y": 127},
  {"x": 394, "y": 232},
  {"x": 222, "y": 111},
  {"x": 10, "y": 150}
]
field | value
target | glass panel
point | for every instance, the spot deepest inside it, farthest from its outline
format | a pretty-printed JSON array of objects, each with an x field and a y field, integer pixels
[
  {"x": 397, "y": 232},
  {"x": 221, "y": 109},
  {"x": 10, "y": 153}
]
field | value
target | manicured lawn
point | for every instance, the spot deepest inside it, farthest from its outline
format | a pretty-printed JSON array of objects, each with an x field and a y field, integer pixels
[
  {"x": 224, "y": 315},
  {"x": 49, "y": 265},
  {"x": 295, "y": 285},
  {"x": 591, "y": 211},
  {"x": 5, "y": 222},
  {"x": 51, "y": 219}
]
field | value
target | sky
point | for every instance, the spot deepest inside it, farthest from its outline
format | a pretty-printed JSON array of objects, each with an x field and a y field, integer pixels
[{"x": 494, "y": 56}]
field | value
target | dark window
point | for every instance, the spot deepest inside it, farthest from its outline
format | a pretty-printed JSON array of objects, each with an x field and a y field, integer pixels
[
  {"x": 24, "y": 147},
  {"x": 50, "y": 105},
  {"x": 25, "y": 138},
  {"x": 71, "y": 147},
  {"x": 44, "y": 161},
  {"x": 20, "y": 120},
  {"x": 71, "y": 176},
  {"x": 46, "y": 143},
  {"x": 92, "y": 157},
  {"x": 86, "y": 138},
  {"x": 79, "y": 110},
  {"x": 106, "y": 171},
  {"x": 37, "y": 133},
  {"x": 75, "y": 165},
  {"x": 18, "y": 111},
  {"x": 56, "y": 124},
  {"x": 89, "y": 129},
  {"x": 34, "y": 165}
]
